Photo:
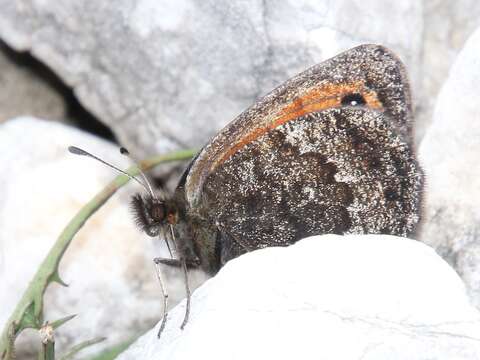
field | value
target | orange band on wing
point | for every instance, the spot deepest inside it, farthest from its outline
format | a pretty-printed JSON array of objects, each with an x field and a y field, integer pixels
[{"x": 317, "y": 99}]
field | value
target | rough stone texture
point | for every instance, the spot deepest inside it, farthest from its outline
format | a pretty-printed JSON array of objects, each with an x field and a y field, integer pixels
[
  {"x": 112, "y": 282},
  {"x": 450, "y": 153},
  {"x": 24, "y": 92},
  {"x": 164, "y": 75},
  {"x": 353, "y": 297},
  {"x": 212, "y": 60}
]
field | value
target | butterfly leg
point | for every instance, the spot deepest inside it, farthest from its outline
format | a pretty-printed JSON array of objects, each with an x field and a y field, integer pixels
[
  {"x": 177, "y": 263},
  {"x": 181, "y": 262},
  {"x": 164, "y": 295},
  {"x": 187, "y": 290}
]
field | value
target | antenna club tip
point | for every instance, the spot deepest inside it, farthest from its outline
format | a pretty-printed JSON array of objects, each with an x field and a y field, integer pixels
[
  {"x": 124, "y": 151},
  {"x": 76, "y": 150}
]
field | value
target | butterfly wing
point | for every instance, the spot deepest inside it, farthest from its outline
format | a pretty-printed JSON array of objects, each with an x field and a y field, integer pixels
[{"x": 329, "y": 151}]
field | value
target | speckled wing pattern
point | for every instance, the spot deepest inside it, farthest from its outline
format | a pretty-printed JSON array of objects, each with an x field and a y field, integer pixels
[{"x": 329, "y": 151}]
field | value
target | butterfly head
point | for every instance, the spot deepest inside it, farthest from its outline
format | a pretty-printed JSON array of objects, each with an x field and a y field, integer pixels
[{"x": 152, "y": 214}]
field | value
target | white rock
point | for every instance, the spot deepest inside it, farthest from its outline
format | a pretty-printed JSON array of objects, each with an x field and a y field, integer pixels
[
  {"x": 109, "y": 269},
  {"x": 164, "y": 75},
  {"x": 326, "y": 297},
  {"x": 450, "y": 154}
]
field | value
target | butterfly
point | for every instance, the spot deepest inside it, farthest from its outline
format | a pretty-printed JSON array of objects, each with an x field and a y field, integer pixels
[{"x": 328, "y": 151}]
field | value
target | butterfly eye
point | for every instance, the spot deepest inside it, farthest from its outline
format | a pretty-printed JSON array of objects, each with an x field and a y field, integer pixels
[
  {"x": 354, "y": 99},
  {"x": 158, "y": 212}
]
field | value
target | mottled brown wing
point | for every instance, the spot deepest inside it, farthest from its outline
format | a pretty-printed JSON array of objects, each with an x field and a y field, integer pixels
[
  {"x": 370, "y": 70},
  {"x": 342, "y": 170},
  {"x": 329, "y": 151}
]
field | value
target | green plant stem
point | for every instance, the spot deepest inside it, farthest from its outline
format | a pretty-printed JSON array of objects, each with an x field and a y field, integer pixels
[
  {"x": 79, "y": 347},
  {"x": 29, "y": 310},
  {"x": 47, "y": 352},
  {"x": 112, "y": 352}
]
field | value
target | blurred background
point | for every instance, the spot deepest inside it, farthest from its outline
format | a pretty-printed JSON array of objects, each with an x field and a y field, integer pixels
[{"x": 158, "y": 75}]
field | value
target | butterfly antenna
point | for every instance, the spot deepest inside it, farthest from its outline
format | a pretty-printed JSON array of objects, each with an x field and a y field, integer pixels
[
  {"x": 77, "y": 151},
  {"x": 187, "y": 287},
  {"x": 125, "y": 152}
]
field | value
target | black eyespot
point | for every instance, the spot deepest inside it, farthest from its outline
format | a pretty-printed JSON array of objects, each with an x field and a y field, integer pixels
[{"x": 354, "y": 99}]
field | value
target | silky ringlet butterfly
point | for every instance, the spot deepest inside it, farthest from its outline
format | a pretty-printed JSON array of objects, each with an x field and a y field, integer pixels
[{"x": 329, "y": 151}]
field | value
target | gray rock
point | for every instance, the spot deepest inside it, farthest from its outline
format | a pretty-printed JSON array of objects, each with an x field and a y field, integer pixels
[
  {"x": 350, "y": 297},
  {"x": 165, "y": 76},
  {"x": 112, "y": 281},
  {"x": 24, "y": 92},
  {"x": 447, "y": 25},
  {"x": 450, "y": 153}
]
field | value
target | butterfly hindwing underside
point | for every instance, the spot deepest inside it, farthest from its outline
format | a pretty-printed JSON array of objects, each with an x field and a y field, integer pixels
[{"x": 329, "y": 151}]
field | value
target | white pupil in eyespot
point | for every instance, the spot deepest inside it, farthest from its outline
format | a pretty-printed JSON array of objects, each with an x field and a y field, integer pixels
[{"x": 353, "y": 103}]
